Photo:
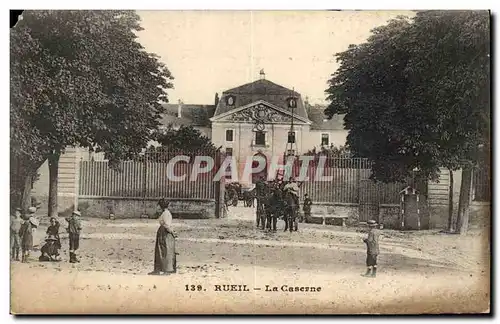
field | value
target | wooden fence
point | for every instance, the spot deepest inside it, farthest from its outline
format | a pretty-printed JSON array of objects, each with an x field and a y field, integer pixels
[
  {"x": 149, "y": 176},
  {"x": 351, "y": 184}
]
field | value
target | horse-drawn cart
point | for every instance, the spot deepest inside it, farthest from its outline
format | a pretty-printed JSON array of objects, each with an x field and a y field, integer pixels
[{"x": 235, "y": 192}]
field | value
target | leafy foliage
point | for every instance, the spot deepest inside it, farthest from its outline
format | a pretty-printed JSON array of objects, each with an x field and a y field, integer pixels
[
  {"x": 80, "y": 78},
  {"x": 184, "y": 139},
  {"x": 173, "y": 141},
  {"x": 416, "y": 94},
  {"x": 332, "y": 150}
]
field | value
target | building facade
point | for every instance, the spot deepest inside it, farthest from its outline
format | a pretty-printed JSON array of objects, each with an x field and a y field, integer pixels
[{"x": 252, "y": 122}]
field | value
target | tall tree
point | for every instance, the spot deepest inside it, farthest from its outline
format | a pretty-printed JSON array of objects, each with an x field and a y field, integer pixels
[
  {"x": 81, "y": 78},
  {"x": 416, "y": 95},
  {"x": 184, "y": 139}
]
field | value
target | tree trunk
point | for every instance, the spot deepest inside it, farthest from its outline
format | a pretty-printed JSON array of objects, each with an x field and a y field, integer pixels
[
  {"x": 450, "y": 203},
  {"x": 464, "y": 202},
  {"x": 53, "y": 176},
  {"x": 26, "y": 193}
]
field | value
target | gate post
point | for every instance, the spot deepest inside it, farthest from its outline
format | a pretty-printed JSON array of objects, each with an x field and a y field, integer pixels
[
  {"x": 144, "y": 182},
  {"x": 219, "y": 187}
]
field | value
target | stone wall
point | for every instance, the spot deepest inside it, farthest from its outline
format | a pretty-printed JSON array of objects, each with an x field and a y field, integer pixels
[{"x": 137, "y": 208}]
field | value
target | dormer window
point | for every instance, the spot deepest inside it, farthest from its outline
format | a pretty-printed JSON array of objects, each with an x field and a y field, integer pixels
[{"x": 230, "y": 100}]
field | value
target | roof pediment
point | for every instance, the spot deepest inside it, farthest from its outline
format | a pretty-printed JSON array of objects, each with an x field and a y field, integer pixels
[
  {"x": 265, "y": 90},
  {"x": 261, "y": 111}
]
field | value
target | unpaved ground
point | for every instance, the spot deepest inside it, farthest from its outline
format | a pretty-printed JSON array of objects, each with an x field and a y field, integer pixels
[{"x": 419, "y": 272}]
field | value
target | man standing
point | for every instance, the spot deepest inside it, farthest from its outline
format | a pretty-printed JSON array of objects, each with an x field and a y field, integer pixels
[
  {"x": 307, "y": 207},
  {"x": 293, "y": 188},
  {"x": 74, "y": 228},
  {"x": 15, "y": 240},
  {"x": 260, "y": 188}
]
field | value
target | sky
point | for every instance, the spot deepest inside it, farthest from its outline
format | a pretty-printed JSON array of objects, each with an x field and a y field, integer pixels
[{"x": 212, "y": 51}]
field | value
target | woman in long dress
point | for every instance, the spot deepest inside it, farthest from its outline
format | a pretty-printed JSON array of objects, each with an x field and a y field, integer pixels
[{"x": 165, "y": 256}]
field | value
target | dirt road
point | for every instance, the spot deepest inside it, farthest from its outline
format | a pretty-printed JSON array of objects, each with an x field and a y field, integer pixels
[{"x": 421, "y": 272}]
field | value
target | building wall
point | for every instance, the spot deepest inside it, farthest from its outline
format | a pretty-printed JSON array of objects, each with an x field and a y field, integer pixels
[
  {"x": 438, "y": 201},
  {"x": 243, "y": 142},
  {"x": 336, "y": 137},
  {"x": 67, "y": 182}
]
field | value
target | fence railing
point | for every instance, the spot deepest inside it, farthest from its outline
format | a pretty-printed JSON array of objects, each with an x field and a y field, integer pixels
[
  {"x": 148, "y": 176},
  {"x": 351, "y": 184}
]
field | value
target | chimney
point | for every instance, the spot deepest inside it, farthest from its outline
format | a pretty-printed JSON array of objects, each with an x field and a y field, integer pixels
[
  {"x": 216, "y": 99},
  {"x": 262, "y": 74},
  {"x": 179, "y": 109}
]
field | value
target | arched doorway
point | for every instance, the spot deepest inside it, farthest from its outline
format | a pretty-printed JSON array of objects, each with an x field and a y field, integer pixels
[{"x": 257, "y": 159}]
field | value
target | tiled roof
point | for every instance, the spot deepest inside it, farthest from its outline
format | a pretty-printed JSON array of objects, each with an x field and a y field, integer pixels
[
  {"x": 195, "y": 115},
  {"x": 260, "y": 90},
  {"x": 319, "y": 119},
  {"x": 199, "y": 115}
]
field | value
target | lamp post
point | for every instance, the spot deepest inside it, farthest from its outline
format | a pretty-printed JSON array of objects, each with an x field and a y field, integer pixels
[{"x": 291, "y": 143}]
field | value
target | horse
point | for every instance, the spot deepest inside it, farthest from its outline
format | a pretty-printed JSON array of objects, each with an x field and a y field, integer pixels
[
  {"x": 249, "y": 198},
  {"x": 291, "y": 211},
  {"x": 262, "y": 191}
]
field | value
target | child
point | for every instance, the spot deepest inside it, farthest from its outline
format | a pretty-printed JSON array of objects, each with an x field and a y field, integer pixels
[
  {"x": 50, "y": 250},
  {"x": 74, "y": 228},
  {"x": 26, "y": 233},
  {"x": 372, "y": 249},
  {"x": 15, "y": 240},
  {"x": 307, "y": 207}
]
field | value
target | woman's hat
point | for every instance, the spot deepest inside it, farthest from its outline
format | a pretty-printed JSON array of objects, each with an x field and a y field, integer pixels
[
  {"x": 77, "y": 213},
  {"x": 32, "y": 210},
  {"x": 33, "y": 221},
  {"x": 371, "y": 222},
  {"x": 51, "y": 238}
]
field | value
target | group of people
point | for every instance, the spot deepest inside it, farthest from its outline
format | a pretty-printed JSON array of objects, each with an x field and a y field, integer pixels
[
  {"x": 263, "y": 189},
  {"x": 22, "y": 228},
  {"x": 24, "y": 225}
]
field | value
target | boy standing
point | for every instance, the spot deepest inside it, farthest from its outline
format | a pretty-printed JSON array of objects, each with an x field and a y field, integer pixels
[
  {"x": 74, "y": 228},
  {"x": 372, "y": 249},
  {"x": 15, "y": 240}
]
